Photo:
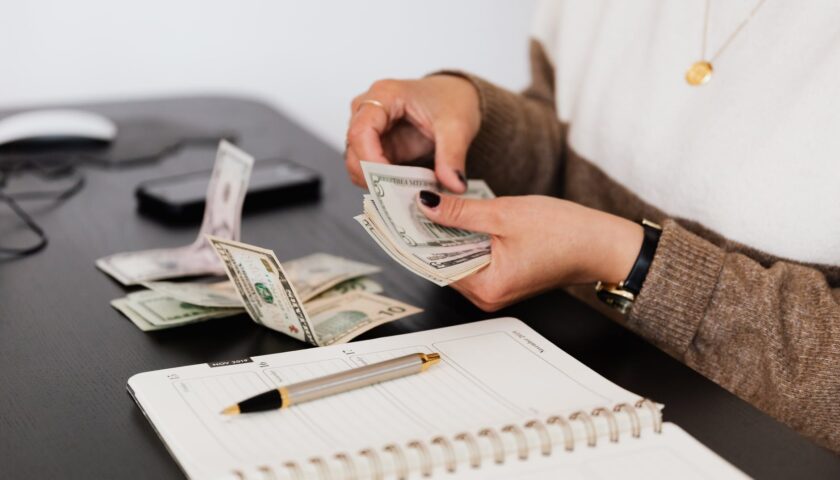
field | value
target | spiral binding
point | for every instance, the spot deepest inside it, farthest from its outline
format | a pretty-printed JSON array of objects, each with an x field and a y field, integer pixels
[
  {"x": 521, "y": 440},
  {"x": 321, "y": 467},
  {"x": 498, "y": 446},
  {"x": 611, "y": 421},
  {"x": 449, "y": 453},
  {"x": 446, "y": 446},
  {"x": 375, "y": 462},
  {"x": 348, "y": 465},
  {"x": 399, "y": 460},
  {"x": 426, "y": 470},
  {"x": 265, "y": 470}
]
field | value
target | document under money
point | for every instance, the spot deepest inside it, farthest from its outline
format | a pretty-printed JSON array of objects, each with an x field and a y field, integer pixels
[
  {"x": 222, "y": 217},
  {"x": 391, "y": 217},
  {"x": 270, "y": 298}
]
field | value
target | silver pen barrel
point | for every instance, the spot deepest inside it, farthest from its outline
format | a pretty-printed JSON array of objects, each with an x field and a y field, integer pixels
[{"x": 356, "y": 378}]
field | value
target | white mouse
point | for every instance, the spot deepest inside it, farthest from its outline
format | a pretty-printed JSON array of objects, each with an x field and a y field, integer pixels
[{"x": 50, "y": 125}]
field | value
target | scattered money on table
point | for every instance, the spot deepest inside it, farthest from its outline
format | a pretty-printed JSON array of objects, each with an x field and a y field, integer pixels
[
  {"x": 265, "y": 289},
  {"x": 173, "y": 304},
  {"x": 223, "y": 294},
  {"x": 218, "y": 294},
  {"x": 270, "y": 298},
  {"x": 361, "y": 284},
  {"x": 222, "y": 217},
  {"x": 150, "y": 310},
  {"x": 341, "y": 318},
  {"x": 314, "y": 274},
  {"x": 343, "y": 301},
  {"x": 437, "y": 253}
]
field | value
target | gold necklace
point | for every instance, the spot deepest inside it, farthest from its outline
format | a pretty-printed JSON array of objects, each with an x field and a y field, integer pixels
[{"x": 700, "y": 72}]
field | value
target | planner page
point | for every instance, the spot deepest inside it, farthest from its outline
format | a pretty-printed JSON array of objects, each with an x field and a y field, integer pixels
[{"x": 491, "y": 372}]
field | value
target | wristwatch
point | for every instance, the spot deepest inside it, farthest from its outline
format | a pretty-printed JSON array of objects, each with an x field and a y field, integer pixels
[{"x": 622, "y": 296}]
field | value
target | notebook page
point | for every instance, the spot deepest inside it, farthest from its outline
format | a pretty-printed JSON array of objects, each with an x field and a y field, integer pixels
[{"x": 491, "y": 372}]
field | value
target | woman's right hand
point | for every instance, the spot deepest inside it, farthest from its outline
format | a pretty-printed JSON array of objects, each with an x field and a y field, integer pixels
[{"x": 398, "y": 121}]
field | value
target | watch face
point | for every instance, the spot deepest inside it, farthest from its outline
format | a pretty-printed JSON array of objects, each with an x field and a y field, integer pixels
[
  {"x": 619, "y": 303},
  {"x": 615, "y": 297}
]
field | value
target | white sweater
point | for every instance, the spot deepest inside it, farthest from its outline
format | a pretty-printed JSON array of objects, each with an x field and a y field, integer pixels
[{"x": 753, "y": 155}]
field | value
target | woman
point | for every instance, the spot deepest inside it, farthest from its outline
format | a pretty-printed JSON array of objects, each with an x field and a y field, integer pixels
[{"x": 717, "y": 120}]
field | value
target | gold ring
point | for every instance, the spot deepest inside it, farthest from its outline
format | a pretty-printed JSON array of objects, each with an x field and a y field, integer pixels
[{"x": 375, "y": 103}]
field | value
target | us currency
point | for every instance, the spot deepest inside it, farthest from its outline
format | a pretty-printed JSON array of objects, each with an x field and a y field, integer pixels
[
  {"x": 396, "y": 255},
  {"x": 342, "y": 318},
  {"x": 222, "y": 217},
  {"x": 391, "y": 217},
  {"x": 449, "y": 262},
  {"x": 150, "y": 310},
  {"x": 271, "y": 300},
  {"x": 218, "y": 294},
  {"x": 315, "y": 274},
  {"x": 361, "y": 284},
  {"x": 265, "y": 289},
  {"x": 223, "y": 294},
  {"x": 183, "y": 303}
]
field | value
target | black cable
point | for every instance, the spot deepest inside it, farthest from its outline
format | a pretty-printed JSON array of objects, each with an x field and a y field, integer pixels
[
  {"x": 49, "y": 170},
  {"x": 13, "y": 199},
  {"x": 21, "y": 213}
]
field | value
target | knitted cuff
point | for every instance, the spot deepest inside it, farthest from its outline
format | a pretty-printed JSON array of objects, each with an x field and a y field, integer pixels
[
  {"x": 678, "y": 288},
  {"x": 499, "y": 118}
]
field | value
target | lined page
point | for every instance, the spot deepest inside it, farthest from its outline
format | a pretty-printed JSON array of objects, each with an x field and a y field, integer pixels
[{"x": 491, "y": 372}]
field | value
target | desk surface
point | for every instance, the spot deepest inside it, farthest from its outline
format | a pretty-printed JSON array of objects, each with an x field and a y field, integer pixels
[{"x": 65, "y": 354}]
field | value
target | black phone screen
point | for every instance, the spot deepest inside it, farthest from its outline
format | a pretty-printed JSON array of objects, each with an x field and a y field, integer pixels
[{"x": 272, "y": 183}]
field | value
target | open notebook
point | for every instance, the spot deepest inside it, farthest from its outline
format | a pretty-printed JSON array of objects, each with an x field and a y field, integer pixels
[{"x": 504, "y": 403}]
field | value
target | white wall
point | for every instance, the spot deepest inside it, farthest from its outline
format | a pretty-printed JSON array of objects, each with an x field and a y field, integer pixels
[{"x": 308, "y": 58}]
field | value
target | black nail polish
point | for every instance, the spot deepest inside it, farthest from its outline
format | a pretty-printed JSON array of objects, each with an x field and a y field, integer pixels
[
  {"x": 461, "y": 177},
  {"x": 429, "y": 199}
]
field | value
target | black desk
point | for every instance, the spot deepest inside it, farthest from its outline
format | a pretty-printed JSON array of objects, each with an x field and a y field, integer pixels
[{"x": 65, "y": 354}]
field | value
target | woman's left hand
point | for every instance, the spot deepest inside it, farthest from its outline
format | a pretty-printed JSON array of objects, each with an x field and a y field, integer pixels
[{"x": 538, "y": 243}]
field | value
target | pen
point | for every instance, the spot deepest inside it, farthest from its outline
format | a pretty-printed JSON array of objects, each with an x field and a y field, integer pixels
[{"x": 288, "y": 395}]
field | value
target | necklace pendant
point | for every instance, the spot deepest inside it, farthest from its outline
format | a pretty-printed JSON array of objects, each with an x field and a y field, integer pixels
[{"x": 699, "y": 73}]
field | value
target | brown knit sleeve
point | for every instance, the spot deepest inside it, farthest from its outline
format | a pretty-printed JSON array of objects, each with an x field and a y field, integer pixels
[
  {"x": 519, "y": 146},
  {"x": 771, "y": 335}
]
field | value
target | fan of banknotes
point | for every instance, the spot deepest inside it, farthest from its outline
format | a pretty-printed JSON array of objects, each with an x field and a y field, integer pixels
[
  {"x": 437, "y": 253},
  {"x": 320, "y": 298}
]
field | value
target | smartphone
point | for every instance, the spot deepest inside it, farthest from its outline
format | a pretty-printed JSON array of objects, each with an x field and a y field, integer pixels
[{"x": 274, "y": 183}]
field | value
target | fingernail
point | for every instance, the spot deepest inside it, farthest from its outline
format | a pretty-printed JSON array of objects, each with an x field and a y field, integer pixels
[
  {"x": 429, "y": 199},
  {"x": 461, "y": 177}
]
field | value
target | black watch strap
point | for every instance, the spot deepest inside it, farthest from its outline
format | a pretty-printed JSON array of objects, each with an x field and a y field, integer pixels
[{"x": 636, "y": 277}]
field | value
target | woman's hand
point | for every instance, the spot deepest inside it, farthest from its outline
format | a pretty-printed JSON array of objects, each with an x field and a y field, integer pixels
[
  {"x": 399, "y": 121},
  {"x": 538, "y": 243}
]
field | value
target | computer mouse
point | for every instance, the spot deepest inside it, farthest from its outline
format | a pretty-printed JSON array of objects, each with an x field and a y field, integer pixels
[{"x": 53, "y": 126}]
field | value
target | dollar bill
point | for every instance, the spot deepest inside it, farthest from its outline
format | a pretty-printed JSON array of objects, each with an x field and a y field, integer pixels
[
  {"x": 393, "y": 189},
  {"x": 271, "y": 300},
  {"x": 218, "y": 294},
  {"x": 342, "y": 318},
  {"x": 361, "y": 284},
  {"x": 150, "y": 310},
  {"x": 265, "y": 289},
  {"x": 222, "y": 217},
  {"x": 404, "y": 260},
  {"x": 315, "y": 274},
  {"x": 391, "y": 217},
  {"x": 223, "y": 294},
  {"x": 172, "y": 304}
]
